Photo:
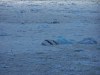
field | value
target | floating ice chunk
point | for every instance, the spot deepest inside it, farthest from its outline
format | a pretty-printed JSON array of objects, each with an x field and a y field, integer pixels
[
  {"x": 88, "y": 41},
  {"x": 58, "y": 41},
  {"x": 62, "y": 40}
]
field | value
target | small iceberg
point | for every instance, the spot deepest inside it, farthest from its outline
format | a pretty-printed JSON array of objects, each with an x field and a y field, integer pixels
[
  {"x": 88, "y": 41},
  {"x": 58, "y": 41},
  {"x": 62, "y": 40}
]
